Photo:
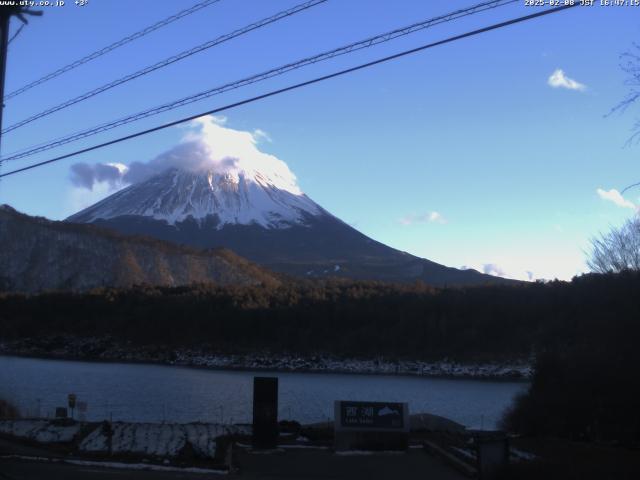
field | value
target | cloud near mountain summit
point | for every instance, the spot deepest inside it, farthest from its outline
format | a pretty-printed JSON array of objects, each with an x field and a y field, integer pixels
[{"x": 208, "y": 145}]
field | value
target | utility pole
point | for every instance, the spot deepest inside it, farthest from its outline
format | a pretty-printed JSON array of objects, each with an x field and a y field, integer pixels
[
  {"x": 5, "y": 18},
  {"x": 6, "y": 13}
]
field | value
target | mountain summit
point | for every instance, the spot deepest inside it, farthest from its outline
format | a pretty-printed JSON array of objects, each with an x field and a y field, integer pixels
[
  {"x": 216, "y": 189},
  {"x": 224, "y": 198}
]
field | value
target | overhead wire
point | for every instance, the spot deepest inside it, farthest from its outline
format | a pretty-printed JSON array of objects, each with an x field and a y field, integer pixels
[
  {"x": 15, "y": 35},
  {"x": 297, "y": 86},
  {"x": 123, "y": 41},
  {"x": 167, "y": 61},
  {"x": 352, "y": 47}
]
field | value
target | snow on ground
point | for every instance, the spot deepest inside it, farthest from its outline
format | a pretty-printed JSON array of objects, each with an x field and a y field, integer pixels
[
  {"x": 304, "y": 447},
  {"x": 514, "y": 453},
  {"x": 164, "y": 440},
  {"x": 519, "y": 455},
  {"x": 156, "y": 439},
  {"x": 120, "y": 465},
  {"x": 42, "y": 431},
  {"x": 354, "y": 453},
  {"x": 146, "y": 466},
  {"x": 466, "y": 452}
]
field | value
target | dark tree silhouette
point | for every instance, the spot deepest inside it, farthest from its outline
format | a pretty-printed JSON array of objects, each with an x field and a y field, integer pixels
[
  {"x": 617, "y": 250},
  {"x": 8, "y": 411}
]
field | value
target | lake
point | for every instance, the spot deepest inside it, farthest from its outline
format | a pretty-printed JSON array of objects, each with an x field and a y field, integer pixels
[{"x": 156, "y": 393}]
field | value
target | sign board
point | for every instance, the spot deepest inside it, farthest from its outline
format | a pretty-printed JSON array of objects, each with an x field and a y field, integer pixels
[
  {"x": 371, "y": 425},
  {"x": 492, "y": 454},
  {"x": 72, "y": 400},
  {"x": 265, "y": 412},
  {"x": 61, "y": 412},
  {"x": 372, "y": 415}
]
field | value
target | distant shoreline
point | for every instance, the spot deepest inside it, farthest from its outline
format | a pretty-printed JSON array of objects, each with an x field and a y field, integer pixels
[{"x": 446, "y": 370}]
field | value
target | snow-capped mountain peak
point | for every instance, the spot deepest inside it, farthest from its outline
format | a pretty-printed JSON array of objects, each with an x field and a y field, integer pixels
[
  {"x": 214, "y": 173},
  {"x": 232, "y": 197},
  {"x": 248, "y": 201}
]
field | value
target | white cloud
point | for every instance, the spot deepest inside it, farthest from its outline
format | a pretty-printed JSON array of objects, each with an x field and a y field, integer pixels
[
  {"x": 526, "y": 260},
  {"x": 436, "y": 217},
  {"x": 558, "y": 79},
  {"x": 260, "y": 134},
  {"x": 614, "y": 196},
  {"x": 207, "y": 145},
  {"x": 513, "y": 272},
  {"x": 429, "y": 217},
  {"x": 493, "y": 269}
]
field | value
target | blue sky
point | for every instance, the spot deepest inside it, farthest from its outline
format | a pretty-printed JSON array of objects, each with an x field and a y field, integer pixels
[{"x": 463, "y": 154}]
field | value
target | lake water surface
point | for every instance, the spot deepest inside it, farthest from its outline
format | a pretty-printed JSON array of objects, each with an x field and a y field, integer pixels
[{"x": 155, "y": 393}]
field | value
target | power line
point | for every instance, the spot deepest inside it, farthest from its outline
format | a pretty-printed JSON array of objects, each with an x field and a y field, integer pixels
[
  {"x": 168, "y": 61},
  {"x": 113, "y": 46},
  {"x": 295, "y": 86},
  {"x": 366, "y": 43},
  {"x": 629, "y": 187},
  {"x": 13, "y": 37}
]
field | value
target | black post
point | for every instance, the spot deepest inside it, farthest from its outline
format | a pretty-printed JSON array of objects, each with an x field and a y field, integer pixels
[
  {"x": 492, "y": 454},
  {"x": 5, "y": 17},
  {"x": 265, "y": 412}
]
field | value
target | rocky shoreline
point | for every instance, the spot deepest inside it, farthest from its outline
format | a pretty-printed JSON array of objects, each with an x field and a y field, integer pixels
[{"x": 108, "y": 350}]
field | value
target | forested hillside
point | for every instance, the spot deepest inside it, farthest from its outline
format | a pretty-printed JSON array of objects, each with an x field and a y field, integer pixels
[{"x": 345, "y": 317}]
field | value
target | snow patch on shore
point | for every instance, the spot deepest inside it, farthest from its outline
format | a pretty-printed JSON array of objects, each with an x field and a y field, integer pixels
[
  {"x": 156, "y": 439},
  {"x": 163, "y": 440},
  {"x": 105, "y": 348},
  {"x": 42, "y": 431}
]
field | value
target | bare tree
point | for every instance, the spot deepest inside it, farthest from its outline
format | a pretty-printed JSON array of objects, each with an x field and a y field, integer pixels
[
  {"x": 630, "y": 64},
  {"x": 618, "y": 250}
]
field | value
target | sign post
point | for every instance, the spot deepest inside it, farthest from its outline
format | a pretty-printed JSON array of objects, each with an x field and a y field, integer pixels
[
  {"x": 492, "y": 454},
  {"x": 72, "y": 402},
  {"x": 6, "y": 12},
  {"x": 82, "y": 411},
  {"x": 371, "y": 425},
  {"x": 61, "y": 412},
  {"x": 265, "y": 412}
]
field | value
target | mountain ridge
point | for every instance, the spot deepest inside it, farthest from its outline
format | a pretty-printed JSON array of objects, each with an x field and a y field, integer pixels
[
  {"x": 40, "y": 254},
  {"x": 299, "y": 238}
]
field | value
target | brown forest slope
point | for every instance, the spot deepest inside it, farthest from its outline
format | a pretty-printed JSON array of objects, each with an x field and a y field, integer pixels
[{"x": 39, "y": 254}]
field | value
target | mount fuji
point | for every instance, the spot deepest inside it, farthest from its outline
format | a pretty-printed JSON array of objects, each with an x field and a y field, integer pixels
[{"x": 218, "y": 190}]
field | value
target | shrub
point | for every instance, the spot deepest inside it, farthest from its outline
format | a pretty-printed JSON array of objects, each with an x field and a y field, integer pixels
[{"x": 8, "y": 411}]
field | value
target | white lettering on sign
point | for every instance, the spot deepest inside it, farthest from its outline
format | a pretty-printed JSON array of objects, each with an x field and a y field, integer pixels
[{"x": 367, "y": 411}]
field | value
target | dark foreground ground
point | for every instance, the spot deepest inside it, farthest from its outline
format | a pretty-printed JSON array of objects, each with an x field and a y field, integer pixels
[
  {"x": 555, "y": 460},
  {"x": 298, "y": 464},
  {"x": 12, "y": 469},
  {"x": 26, "y": 460},
  {"x": 323, "y": 464}
]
